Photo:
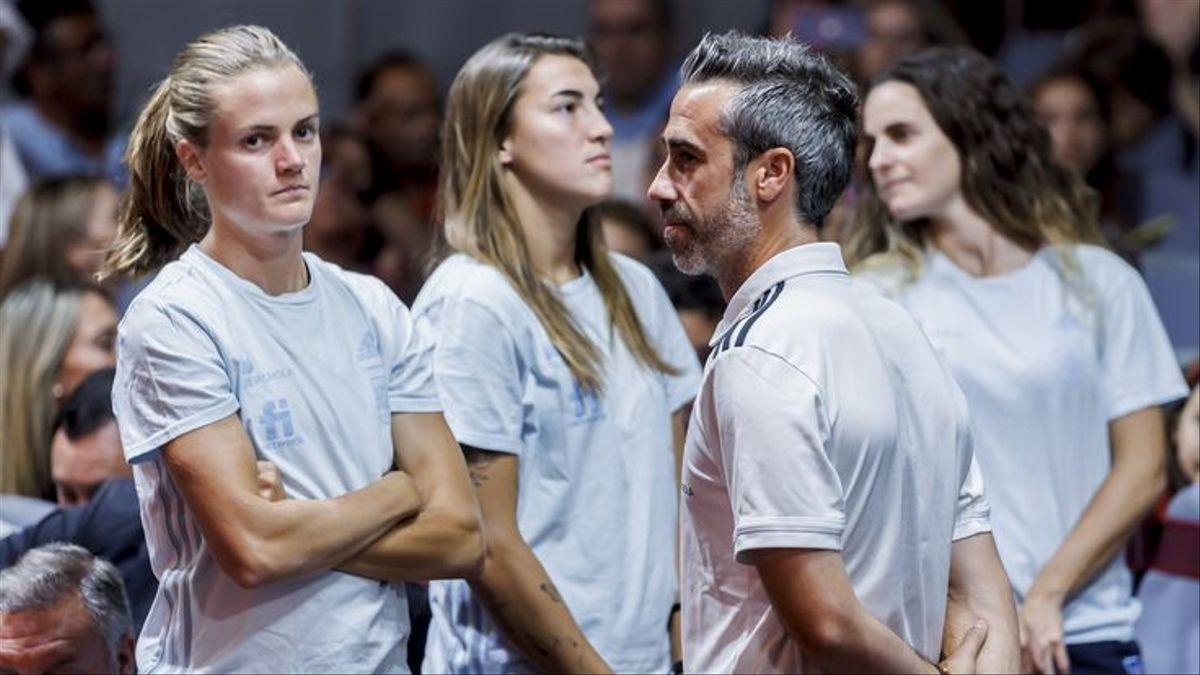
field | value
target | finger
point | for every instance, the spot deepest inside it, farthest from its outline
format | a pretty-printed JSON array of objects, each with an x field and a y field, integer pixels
[
  {"x": 1062, "y": 663},
  {"x": 1033, "y": 659},
  {"x": 973, "y": 641}
]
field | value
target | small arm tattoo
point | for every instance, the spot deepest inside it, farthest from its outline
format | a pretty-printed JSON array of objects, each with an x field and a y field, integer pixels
[
  {"x": 479, "y": 464},
  {"x": 549, "y": 589}
]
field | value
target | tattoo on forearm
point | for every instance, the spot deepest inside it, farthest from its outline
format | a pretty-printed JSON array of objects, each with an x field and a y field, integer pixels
[
  {"x": 479, "y": 465},
  {"x": 549, "y": 589},
  {"x": 544, "y": 646}
]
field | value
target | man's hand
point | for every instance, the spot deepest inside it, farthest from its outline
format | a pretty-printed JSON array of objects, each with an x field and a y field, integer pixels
[
  {"x": 1042, "y": 646},
  {"x": 270, "y": 484},
  {"x": 962, "y": 659}
]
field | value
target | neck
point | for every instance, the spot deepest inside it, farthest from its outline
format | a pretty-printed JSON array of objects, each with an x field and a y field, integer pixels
[
  {"x": 971, "y": 243},
  {"x": 271, "y": 262},
  {"x": 551, "y": 228},
  {"x": 780, "y": 231}
]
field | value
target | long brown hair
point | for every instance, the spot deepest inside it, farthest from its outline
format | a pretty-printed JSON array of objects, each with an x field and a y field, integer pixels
[
  {"x": 479, "y": 217},
  {"x": 1009, "y": 176},
  {"x": 164, "y": 212}
]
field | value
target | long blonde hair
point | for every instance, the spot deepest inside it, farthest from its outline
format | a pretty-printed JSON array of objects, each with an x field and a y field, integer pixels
[
  {"x": 52, "y": 214},
  {"x": 163, "y": 211},
  {"x": 479, "y": 217},
  {"x": 38, "y": 320},
  {"x": 1009, "y": 176}
]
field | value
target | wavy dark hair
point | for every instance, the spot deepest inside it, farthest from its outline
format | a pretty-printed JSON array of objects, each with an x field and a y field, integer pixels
[{"x": 1009, "y": 176}]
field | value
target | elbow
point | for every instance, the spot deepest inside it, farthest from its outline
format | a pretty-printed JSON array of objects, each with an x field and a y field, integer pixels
[
  {"x": 465, "y": 554},
  {"x": 826, "y": 640},
  {"x": 250, "y": 569}
]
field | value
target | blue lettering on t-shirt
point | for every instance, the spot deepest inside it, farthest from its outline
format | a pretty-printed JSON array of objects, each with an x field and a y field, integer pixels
[{"x": 276, "y": 420}]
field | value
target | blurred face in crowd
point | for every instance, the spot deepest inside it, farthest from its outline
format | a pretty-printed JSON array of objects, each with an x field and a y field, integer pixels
[
  {"x": 86, "y": 256},
  {"x": 893, "y": 31},
  {"x": 61, "y": 638},
  {"x": 1174, "y": 24},
  {"x": 915, "y": 167},
  {"x": 558, "y": 142},
  {"x": 80, "y": 465},
  {"x": 706, "y": 217},
  {"x": 1067, "y": 108},
  {"x": 1187, "y": 437},
  {"x": 401, "y": 117},
  {"x": 624, "y": 237},
  {"x": 262, "y": 164},
  {"x": 632, "y": 43},
  {"x": 93, "y": 347},
  {"x": 78, "y": 69}
]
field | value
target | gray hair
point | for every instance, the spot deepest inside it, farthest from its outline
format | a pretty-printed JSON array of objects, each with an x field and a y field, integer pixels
[
  {"x": 46, "y": 575},
  {"x": 792, "y": 98}
]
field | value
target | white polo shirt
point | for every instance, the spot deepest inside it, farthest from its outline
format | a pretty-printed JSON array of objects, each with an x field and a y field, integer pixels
[{"x": 824, "y": 421}]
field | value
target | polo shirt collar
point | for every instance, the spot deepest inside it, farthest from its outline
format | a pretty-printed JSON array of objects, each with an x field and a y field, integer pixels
[{"x": 815, "y": 258}]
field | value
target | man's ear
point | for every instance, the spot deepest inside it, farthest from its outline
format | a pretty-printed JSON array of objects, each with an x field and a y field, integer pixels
[
  {"x": 774, "y": 171},
  {"x": 193, "y": 164}
]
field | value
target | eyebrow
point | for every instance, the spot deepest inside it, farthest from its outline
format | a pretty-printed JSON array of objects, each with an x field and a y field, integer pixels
[
  {"x": 681, "y": 144},
  {"x": 269, "y": 127}
]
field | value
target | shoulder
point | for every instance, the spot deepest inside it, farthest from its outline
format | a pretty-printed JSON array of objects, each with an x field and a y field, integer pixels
[
  {"x": 180, "y": 291},
  {"x": 634, "y": 274},
  {"x": 461, "y": 278},
  {"x": 1104, "y": 271}
]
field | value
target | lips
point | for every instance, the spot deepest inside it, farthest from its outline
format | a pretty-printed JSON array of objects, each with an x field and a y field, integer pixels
[
  {"x": 600, "y": 160},
  {"x": 291, "y": 189}
]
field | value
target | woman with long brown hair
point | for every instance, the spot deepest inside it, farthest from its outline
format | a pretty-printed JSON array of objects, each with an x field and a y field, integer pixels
[
  {"x": 970, "y": 224},
  {"x": 248, "y": 371},
  {"x": 563, "y": 371}
]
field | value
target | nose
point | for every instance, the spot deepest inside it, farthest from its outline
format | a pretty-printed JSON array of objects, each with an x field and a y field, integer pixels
[
  {"x": 881, "y": 156},
  {"x": 661, "y": 189},
  {"x": 601, "y": 130},
  {"x": 288, "y": 158}
]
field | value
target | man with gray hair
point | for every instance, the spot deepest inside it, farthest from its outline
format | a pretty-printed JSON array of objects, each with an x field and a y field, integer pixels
[
  {"x": 833, "y": 515},
  {"x": 62, "y": 610}
]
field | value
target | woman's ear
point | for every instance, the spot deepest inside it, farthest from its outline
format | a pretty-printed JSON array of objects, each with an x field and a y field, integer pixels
[
  {"x": 193, "y": 164},
  {"x": 506, "y": 157}
]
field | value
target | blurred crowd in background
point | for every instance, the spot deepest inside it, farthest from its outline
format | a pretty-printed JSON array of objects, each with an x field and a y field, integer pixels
[{"x": 1116, "y": 83}]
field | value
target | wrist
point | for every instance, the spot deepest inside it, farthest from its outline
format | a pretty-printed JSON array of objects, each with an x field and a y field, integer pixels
[{"x": 1046, "y": 591}]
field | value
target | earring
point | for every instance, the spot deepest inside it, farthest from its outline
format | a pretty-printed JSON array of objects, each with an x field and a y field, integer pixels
[{"x": 57, "y": 391}]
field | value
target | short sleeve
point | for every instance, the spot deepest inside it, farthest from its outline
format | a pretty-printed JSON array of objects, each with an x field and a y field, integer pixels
[
  {"x": 783, "y": 488},
  {"x": 476, "y": 367},
  {"x": 674, "y": 347},
  {"x": 1137, "y": 363},
  {"x": 171, "y": 378},
  {"x": 973, "y": 514},
  {"x": 411, "y": 387}
]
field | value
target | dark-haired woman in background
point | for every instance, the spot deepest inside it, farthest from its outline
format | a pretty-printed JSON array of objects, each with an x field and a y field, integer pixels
[{"x": 972, "y": 226}]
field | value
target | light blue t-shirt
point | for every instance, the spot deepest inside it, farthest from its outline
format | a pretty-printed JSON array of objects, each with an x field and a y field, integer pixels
[
  {"x": 596, "y": 499},
  {"x": 1046, "y": 365},
  {"x": 314, "y": 376}
]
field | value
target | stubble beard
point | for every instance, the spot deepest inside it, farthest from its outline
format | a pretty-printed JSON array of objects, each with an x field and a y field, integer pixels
[{"x": 716, "y": 237}]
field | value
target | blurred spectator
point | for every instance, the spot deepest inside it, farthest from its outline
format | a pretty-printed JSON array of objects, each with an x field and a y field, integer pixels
[
  {"x": 14, "y": 42},
  {"x": 95, "y": 483},
  {"x": 399, "y": 112},
  {"x": 633, "y": 41},
  {"x": 60, "y": 230},
  {"x": 1160, "y": 168},
  {"x": 63, "y": 610},
  {"x": 1074, "y": 108},
  {"x": 697, "y": 301},
  {"x": 897, "y": 28},
  {"x": 64, "y": 126},
  {"x": 628, "y": 229},
  {"x": 86, "y": 448},
  {"x": 51, "y": 338},
  {"x": 340, "y": 223},
  {"x": 1169, "y": 628}
]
